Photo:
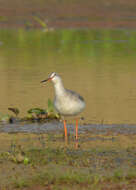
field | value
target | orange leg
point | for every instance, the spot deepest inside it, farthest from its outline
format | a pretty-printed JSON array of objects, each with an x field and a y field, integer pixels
[
  {"x": 65, "y": 131},
  {"x": 76, "y": 129}
]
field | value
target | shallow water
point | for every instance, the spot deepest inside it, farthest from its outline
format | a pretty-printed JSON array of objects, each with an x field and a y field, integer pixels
[
  {"x": 57, "y": 128},
  {"x": 99, "y": 64}
]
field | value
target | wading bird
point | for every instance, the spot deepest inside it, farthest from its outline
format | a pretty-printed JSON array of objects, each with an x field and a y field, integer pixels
[{"x": 66, "y": 102}]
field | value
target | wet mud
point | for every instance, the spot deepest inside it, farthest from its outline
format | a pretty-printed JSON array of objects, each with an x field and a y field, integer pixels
[{"x": 57, "y": 127}]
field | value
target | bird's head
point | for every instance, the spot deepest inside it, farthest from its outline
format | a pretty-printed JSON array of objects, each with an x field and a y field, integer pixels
[{"x": 54, "y": 77}]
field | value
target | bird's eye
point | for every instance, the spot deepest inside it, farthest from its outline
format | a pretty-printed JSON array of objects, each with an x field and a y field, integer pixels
[{"x": 54, "y": 74}]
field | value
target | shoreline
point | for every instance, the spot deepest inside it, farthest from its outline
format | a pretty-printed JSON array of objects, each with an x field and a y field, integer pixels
[
  {"x": 72, "y": 14},
  {"x": 57, "y": 127}
]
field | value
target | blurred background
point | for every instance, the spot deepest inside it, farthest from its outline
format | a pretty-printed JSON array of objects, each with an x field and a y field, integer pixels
[{"x": 91, "y": 44}]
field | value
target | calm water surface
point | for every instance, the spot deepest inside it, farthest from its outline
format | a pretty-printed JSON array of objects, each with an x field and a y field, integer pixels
[{"x": 99, "y": 64}]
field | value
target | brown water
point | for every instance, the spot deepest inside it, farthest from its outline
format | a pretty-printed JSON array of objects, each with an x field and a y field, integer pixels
[{"x": 99, "y": 64}]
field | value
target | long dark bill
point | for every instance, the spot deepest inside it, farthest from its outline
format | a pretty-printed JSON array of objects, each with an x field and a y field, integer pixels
[{"x": 45, "y": 80}]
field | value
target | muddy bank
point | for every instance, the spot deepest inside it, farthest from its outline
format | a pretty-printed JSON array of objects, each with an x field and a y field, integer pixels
[
  {"x": 68, "y": 14},
  {"x": 57, "y": 127},
  {"x": 100, "y": 162}
]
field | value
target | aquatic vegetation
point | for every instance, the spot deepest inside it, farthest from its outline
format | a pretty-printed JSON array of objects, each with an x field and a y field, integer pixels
[
  {"x": 14, "y": 110},
  {"x": 43, "y": 114},
  {"x": 4, "y": 117},
  {"x": 51, "y": 110},
  {"x": 36, "y": 113},
  {"x": 40, "y": 22},
  {"x": 50, "y": 106},
  {"x": 33, "y": 114}
]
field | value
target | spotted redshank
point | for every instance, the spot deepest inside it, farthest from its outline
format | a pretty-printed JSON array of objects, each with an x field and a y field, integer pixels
[{"x": 66, "y": 102}]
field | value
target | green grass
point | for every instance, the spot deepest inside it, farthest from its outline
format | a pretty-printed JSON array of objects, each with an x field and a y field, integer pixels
[
  {"x": 95, "y": 165},
  {"x": 55, "y": 176}
]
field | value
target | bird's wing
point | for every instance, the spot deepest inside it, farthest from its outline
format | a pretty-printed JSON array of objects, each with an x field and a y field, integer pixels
[{"x": 74, "y": 95}]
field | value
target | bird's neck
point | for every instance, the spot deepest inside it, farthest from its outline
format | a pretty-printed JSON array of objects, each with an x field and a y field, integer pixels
[{"x": 59, "y": 88}]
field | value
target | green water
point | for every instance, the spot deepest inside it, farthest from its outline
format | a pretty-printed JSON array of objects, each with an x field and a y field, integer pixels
[{"x": 99, "y": 64}]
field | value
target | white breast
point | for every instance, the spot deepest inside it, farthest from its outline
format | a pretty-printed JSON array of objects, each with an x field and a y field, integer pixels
[
  {"x": 66, "y": 101},
  {"x": 69, "y": 103}
]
